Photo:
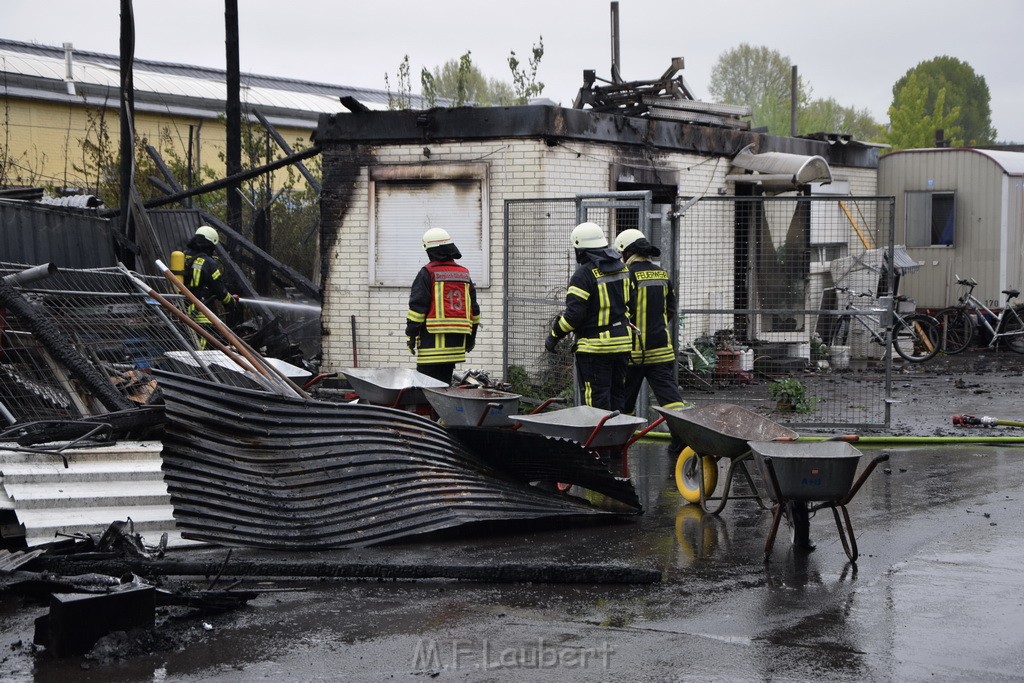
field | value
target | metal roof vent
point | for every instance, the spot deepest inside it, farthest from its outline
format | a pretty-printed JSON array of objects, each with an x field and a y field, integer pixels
[{"x": 779, "y": 171}]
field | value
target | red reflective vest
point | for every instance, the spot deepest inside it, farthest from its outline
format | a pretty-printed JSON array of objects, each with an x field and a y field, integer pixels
[{"x": 451, "y": 307}]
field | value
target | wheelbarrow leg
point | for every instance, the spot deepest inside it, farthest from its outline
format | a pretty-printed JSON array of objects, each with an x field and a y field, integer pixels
[
  {"x": 703, "y": 494},
  {"x": 777, "y": 511},
  {"x": 849, "y": 546},
  {"x": 750, "y": 482}
]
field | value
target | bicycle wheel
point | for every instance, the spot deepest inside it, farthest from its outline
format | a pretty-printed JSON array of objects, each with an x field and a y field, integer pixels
[
  {"x": 1012, "y": 326},
  {"x": 956, "y": 329},
  {"x": 916, "y": 337}
]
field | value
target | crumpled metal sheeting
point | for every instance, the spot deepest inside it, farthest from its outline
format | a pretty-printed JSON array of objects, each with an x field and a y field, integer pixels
[
  {"x": 534, "y": 457},
  {"x": 250, "y": 468}
]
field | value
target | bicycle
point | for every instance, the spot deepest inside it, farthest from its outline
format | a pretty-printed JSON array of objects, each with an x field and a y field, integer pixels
[
  {"x": 957, "y": 324},
  {"x": 915, "y": 336}
]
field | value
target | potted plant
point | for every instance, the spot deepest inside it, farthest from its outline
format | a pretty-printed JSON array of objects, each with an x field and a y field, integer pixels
[{"x": 790, "y": 396}]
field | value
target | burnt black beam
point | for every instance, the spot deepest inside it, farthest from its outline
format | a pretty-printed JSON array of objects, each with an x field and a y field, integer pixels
[{"x": 283, "y": 144}]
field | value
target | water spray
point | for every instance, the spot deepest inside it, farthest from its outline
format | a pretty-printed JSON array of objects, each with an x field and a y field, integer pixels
[{"x": 281, "y": 305}]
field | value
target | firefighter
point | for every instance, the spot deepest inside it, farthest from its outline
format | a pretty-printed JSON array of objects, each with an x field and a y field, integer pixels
[
  {"x": 596, "y": 313},
  {"x": 444, "y": 314},
  {"x": 651, "y": 309},
  {"x": 202, "y": 276}
]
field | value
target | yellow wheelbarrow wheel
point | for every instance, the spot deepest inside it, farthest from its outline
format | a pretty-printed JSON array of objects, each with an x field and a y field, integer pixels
[{"x": 687, "y": 475}]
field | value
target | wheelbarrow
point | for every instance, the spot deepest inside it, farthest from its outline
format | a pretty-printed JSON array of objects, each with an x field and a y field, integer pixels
[
  {"x": 719, "y": 430},
  {"x": 593, "y": 427},
  {"x": 806, "y": 477},
  {"x": 472, "y": 406},
  {"x": 391, "y": 387}
]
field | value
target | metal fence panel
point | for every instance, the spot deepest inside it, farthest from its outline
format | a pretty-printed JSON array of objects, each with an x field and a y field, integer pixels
[{"x": 757, "y": 304}]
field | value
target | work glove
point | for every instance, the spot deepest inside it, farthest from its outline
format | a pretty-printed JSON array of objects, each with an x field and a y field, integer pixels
[
  {"x": 470, "y": 343},
  {"x": 551, "y": 343},
  {"x": 411, "y": 343}
]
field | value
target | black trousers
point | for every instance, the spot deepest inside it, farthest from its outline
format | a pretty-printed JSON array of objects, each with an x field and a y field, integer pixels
[
  {"x": 602, "y": 378},
  {"x": 441, "y": 371},
  {"x": 660, "y": 378}
]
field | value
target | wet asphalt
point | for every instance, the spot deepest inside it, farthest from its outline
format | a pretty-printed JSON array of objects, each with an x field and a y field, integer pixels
[{"x": 937, "y": 593}]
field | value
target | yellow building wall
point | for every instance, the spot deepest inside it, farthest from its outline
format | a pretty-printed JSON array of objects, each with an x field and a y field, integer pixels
[{"x": 44, "y": 143}]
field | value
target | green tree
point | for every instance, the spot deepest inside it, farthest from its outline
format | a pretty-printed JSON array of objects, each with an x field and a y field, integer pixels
[
  {"x": 525, "y": 81},
  {"x": 760, "y": 78},
  {"x": 829, "y": 116},
  {"x": 461, "y": 83},
  {"x": 965, "y": 91},
  {"x": 403, "y": 98},
  {"x": 915, "y": 117}
]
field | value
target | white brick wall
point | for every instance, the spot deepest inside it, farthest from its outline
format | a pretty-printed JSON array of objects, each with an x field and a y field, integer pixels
[{"x": 518, "y": 169}]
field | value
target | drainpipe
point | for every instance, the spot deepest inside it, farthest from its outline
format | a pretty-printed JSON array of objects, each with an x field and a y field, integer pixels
[
  {"x": 69, "y": 68},
  {"x": 31, "y": 274}
]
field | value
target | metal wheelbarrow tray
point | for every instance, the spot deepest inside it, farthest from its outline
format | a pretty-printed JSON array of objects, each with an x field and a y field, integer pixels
[
  {"x": 721, "y": 430},
  {"x": 472, "y": 406},
  {"x": 391, "y": 387},
  {"x": 806, "y": 477},
  {"x": 592, "y": 427}
]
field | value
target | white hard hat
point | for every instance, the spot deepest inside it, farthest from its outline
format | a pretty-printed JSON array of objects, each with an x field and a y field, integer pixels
[
  {"x": 436, "y": 237},
  {"x": 589, "y": 236},
  {"x": 209, "y": 233},
  {"x": 626, "y": 238}
]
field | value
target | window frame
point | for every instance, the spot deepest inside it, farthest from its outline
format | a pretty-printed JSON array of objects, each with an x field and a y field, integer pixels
[
  {"x": 472, "y": 236},
  {"x": 920, "y": 230}
]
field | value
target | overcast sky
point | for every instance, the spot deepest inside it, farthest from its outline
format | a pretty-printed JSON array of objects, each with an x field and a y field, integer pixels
[{"x": 852, "y": 51}]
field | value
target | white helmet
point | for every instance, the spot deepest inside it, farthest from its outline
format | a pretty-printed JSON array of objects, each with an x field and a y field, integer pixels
[
  {"x": 589, "y": 236},
  {"x": 209, "y": 233},
  {"x": 626, "y": 238},
  {"x": 436, "y": 237}
]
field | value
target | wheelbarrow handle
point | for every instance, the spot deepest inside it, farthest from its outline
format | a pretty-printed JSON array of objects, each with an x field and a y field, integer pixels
[
  {"x": 597, "y": 427},
  {"x": 487, "y": 410},
  {"x": 863, "y": 476},
  {"x": 546, "y": 403},
  {"x": 642, "y": 433}
]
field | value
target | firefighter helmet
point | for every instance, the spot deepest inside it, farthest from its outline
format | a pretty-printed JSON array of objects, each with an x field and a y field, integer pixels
[
  {"x": 588, "y": 236},
  {"x": 209, "y": 233},
  {"x": 436, "y": 237},
  {"x": 626, "y": 238}
]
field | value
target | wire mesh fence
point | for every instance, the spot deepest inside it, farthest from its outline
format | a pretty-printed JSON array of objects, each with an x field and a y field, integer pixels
[
  {"x": 758, "y": 309},
  {"x": 81, "y": 342},
  {"x": 759, "y": 306}
]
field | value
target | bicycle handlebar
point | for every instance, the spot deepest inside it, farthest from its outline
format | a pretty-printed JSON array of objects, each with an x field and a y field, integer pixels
[
  {"x": 852, "y": 291},
  {"x": 966, "y": 281}
]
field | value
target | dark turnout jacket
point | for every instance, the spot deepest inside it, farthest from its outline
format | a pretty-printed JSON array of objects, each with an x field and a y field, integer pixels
[{"x": 596, "y": 304}]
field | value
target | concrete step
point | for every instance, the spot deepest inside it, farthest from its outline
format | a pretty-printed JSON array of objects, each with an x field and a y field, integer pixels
[
  {"x": 122, "y": 450},
  {"x": 43, "y": 525},
  {"x": 95, "y": 470},
  {"x": 60, "y": 495}
]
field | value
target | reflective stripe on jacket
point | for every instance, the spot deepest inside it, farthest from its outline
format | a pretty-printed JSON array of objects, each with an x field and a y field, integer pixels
[
  {"x": 651, "y": 309},
  {"x": 596, "y": 310}
]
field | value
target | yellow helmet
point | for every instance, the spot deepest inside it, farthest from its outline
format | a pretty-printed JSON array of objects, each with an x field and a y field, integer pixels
[
  {"x": 209, "y": 233},
  {"x": 589, "y": 236},
  {"x": 626, "y": 238},
  {"x": 436, "y": 237}
]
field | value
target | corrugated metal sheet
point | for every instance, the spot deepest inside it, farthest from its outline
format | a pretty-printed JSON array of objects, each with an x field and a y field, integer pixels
[
  {"x": 33, "y": 234},
  {"x": 249, "y": 468},
  {"x": 166, "y": 80}
]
